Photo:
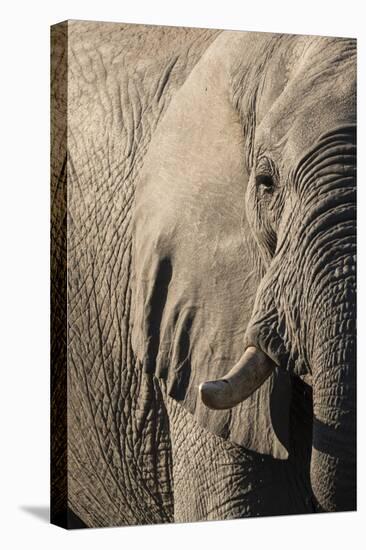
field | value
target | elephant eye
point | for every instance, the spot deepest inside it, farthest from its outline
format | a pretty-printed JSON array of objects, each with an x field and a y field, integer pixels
[
  {"x": 264, "y": 182},
  {"x": 266, "y": 176}
]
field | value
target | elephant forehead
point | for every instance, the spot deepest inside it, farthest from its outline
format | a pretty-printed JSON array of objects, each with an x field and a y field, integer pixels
[{"x": 319, "y": 96}]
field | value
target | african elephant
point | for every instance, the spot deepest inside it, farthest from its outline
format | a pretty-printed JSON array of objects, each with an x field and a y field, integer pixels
[{"x": 211, "y": 252}]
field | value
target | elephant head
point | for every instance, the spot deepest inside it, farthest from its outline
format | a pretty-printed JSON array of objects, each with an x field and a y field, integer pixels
[{"x": 244, "y": 241}]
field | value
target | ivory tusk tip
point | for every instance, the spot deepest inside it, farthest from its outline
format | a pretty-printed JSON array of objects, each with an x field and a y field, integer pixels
[
  {"x": 252, "y": 369},
  {"x": 214, "y": 394}
]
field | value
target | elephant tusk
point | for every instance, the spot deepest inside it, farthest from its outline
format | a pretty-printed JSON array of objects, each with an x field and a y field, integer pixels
[{"x": 249, "y": 373}]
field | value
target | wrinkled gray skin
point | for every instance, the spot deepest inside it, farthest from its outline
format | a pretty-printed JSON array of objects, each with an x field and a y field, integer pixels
[{"x": 211, "y": 207}]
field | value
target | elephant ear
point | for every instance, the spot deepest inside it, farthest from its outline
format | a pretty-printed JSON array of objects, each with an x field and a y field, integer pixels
[{"x": 194, "y": 282}]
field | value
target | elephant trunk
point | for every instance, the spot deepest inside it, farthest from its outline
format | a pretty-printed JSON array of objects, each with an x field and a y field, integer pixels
[
  {"x": 330, "y": 289},
  {"x": 304, "y": 316},
  {"x": 333, "y": 359},
  {"x": 333, "y": 462}
]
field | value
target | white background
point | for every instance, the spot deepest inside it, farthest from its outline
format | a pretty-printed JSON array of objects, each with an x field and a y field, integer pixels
[{"x": 24, "y": 272}]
